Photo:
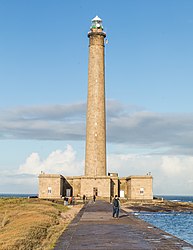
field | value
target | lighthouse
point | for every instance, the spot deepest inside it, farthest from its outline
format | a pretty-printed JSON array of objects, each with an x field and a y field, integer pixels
[
  {"x": 95, "y": 181},
  {"x": 95, "y": 162}
]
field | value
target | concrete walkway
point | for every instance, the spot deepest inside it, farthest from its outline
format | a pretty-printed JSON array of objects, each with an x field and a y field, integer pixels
[{"x": 94, "y": 228}]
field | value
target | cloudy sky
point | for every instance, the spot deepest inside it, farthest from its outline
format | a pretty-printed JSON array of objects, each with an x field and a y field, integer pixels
[{"x": 149, "y": 86}]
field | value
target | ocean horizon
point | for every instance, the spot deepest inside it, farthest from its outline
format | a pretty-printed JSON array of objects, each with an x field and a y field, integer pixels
[
  {"x": 183, "y": 198},
  {"x": 9, "y": 195}
]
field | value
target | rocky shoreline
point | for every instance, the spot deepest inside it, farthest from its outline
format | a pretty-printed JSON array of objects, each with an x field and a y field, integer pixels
[{"x": 159, "y": 206}]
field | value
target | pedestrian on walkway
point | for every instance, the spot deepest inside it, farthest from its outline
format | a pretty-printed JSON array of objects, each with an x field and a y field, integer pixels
[
  {"x": 65, "y": 201},
  {"x": 73, "y": 200},
  {"x": 116, "y": 206},
  {"x": 94, "y": 197}
]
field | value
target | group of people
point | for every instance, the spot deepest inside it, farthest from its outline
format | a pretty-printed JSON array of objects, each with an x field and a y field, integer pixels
[
  {"x": 69, "y": 201},
  {"x": 84, "y": 198},
  {"x": 115, "y": 202}
]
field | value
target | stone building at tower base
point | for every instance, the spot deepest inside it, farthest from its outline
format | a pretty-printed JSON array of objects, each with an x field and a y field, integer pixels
[{"x": 55, "y": 186}]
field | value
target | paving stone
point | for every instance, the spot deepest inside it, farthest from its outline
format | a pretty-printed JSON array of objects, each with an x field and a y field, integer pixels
[{"x": 94, "y": 228}]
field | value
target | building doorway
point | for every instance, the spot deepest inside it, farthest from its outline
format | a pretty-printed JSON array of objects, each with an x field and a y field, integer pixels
[
  {"x": 95, "y": 191},
  {"x": 68, "y": 192}
]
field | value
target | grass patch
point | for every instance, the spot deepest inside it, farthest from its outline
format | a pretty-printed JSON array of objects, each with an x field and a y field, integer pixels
[
  {"x": 32, "y": 223},
  {"x": 5, "y": 220}
]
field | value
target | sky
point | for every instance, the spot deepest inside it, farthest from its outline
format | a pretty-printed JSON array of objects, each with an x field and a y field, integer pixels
[{"x": 148, "y": 81}]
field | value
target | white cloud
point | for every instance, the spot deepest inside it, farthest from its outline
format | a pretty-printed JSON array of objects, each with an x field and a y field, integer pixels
[
  {"x": 57, "y": 162},
  {"x": 32, "y": 165},
  {"x": 172, "y": 165}
]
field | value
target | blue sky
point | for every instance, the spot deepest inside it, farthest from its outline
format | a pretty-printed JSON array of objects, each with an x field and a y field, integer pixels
[{"x": 43, "y": 79}]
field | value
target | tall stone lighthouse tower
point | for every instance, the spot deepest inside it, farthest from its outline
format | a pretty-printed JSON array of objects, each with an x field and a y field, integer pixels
[
  {"x": 95, "y": 164},
  {"x": 95, "y": 181}
]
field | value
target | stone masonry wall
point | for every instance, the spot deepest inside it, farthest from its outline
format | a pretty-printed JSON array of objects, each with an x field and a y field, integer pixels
[
  {"x": 50, "y": 186},
  {"x": 95, "y": 164},
  {"x": 75, "y": 184},
  {"x": 140, "y": 188},
  {"x": 102, "y": 185}
]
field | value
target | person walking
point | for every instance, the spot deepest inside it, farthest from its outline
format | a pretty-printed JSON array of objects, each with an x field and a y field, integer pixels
[
  {"x": 116, "y": 206},
  {"x": 94, "y": 197},
  {"x": 66, "y": 201}
]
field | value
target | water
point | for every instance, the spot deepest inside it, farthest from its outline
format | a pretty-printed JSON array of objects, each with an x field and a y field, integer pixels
[
  {"x": 16, "y": 195},
  {"x": 176, "y": 198},
  {"x": 179, "y": 224}
]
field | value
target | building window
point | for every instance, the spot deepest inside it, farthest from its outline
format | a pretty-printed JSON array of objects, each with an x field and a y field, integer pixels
[
  {"x": 141, "y": 191},
  {"x": 49, "y": 190}
]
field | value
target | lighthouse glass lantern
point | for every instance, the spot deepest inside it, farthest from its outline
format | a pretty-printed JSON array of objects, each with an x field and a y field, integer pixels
[{"x": 96, "y": 23}]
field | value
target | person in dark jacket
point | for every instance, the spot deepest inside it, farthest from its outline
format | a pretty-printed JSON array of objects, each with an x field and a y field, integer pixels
[
  {"x": 116, "y": 206},
  {"x": 84, "y": 198}
]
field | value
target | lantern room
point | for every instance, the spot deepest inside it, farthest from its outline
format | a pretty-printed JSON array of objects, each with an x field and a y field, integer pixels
[{"x": 97, "y": 23}]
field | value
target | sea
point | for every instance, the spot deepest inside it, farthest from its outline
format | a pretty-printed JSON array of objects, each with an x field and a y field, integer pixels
[
  {"x": 179, "y": 224},
  {"x": 17, "y": 195}
]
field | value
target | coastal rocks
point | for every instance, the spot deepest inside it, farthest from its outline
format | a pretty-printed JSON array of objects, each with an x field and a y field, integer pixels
[{"x": 159, "y": 206}]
